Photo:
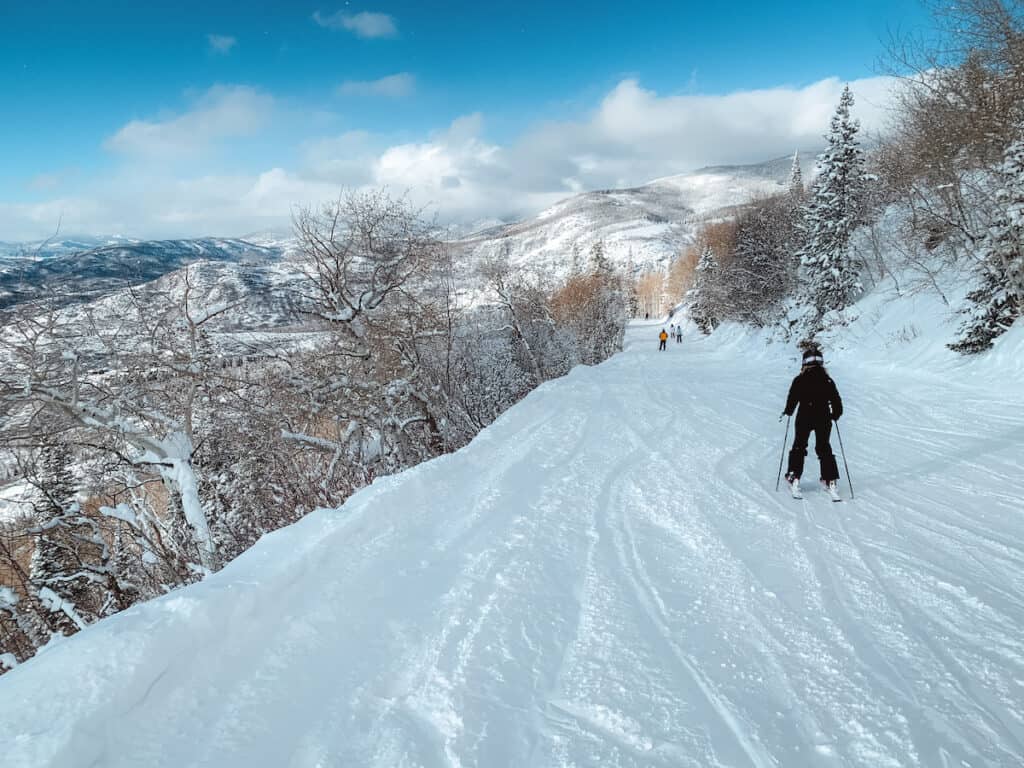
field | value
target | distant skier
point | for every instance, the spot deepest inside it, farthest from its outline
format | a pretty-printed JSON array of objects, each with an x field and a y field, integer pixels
[
  {"x": 662, "y": 337},
  {"x": 679, "y": 334},
  {"x": 818, "y": 399},
  {"x": 672, "y": 332}
]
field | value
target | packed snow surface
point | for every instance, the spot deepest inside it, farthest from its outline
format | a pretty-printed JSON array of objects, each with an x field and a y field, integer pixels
[{"x": 604, "y": 577}]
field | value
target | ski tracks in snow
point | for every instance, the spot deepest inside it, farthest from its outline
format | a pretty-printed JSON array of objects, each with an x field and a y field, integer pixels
[{"x": 605, "y": 577}]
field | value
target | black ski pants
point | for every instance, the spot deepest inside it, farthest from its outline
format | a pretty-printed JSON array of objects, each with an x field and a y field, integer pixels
[
  {"x": 661, "y": 345},
  {"x": 822, "y": 430}
]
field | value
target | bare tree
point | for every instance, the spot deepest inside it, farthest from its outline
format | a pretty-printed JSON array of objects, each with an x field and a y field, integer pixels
[
  {"x": 960, "y": 98},
  {"x": 356, "y": 253},
  {"x": 527, "y": 314},
  {"x": 143, "y": 411},
  {"x": 368, "y": 259}
]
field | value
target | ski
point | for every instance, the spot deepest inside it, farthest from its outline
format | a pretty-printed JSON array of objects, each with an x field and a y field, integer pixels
[{"x": 832, "y": 490}]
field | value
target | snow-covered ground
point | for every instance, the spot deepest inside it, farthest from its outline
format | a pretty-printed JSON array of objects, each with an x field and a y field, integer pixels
[
  {"x": 606, "y": 577},
  {"x": 15, "y": 501}
]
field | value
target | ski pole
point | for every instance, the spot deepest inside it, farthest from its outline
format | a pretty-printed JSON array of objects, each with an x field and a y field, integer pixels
[
  {"x": 785, "y": 437},
  {"x": 843, "y": 451}
]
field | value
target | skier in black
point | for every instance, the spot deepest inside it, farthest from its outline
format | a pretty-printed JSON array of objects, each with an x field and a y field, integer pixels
[{"x": 816, "y": 395}]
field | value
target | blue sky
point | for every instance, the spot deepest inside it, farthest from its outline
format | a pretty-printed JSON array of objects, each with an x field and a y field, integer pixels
[{"x": 188, "y": 118}]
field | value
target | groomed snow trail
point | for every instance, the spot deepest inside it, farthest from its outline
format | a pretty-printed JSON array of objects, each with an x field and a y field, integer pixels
[{"x": 605, "y": 577}]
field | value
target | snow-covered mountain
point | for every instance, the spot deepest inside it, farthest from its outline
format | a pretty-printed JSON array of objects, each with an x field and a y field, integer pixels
[
  {"x": 71, "y": 274},
  {"x": 646, "y": 226},
  {"x": 59, "y": 246},
  {"x": 606, "y": 577},
  {"x": 266, "y": 299}
]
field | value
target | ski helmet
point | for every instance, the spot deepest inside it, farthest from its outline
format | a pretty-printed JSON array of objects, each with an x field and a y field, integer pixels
[{"x": 812, "y": 356}]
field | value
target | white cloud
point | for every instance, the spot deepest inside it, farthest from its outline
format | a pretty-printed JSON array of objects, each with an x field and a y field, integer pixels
[
  {"x": 149, "y": 205},
  {"x": 458, "y": 172},
  {"x": 394, "y": 86},
  {"x": 631, "y": 136},
  {"x": 346, "y": 159},
  {"x": 221, "y": 43},
  {"x": 363, "y": 24},
  {"x": 635, "y": 134},
  {"x": 30, "y": 221},
  {"x": 222, "y": 112},
  {"x": 45, "y": 182}
]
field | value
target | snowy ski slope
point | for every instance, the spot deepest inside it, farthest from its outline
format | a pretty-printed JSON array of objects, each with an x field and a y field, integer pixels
[{"x": 604, "y": 577}]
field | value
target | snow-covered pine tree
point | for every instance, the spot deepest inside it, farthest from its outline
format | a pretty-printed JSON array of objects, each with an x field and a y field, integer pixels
[
  {"x": 593, "y": 307},
  {"x": 998, "y": 300},
  {"x": 576, "y": 262},
  {"x": 598, "y": 259},
  {"x": 834, "y": 210},
  {"x": 55, "y": 484},
  {"x": 25, "y": 624},
  {"x": 796, "y": 179},
  {"x": 701, "y": 297},
  {"x": 54, "y": 556},
  {"x": 70, "y": 571},
  {"x": 632, "y": 298},
  {"x": 613, "y": 305}
]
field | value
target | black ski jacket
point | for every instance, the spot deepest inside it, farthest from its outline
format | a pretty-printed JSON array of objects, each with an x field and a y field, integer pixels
[{"x": 816, "y": 394}]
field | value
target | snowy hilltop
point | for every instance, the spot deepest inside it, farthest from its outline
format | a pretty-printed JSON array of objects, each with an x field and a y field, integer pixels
[{"x": 641, "y": 228}]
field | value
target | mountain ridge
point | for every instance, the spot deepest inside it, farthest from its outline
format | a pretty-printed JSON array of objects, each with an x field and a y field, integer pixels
[{"x": 642, "y": 227}]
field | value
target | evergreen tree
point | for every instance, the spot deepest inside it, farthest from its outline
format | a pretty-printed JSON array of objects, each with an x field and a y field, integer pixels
[
  {"x": 633, "y": 300},
  {"x": 54, "y": 555},
  {"x": 598, "y": 259},
  {"x": 70, "y": 571},
  {"x": 701, "y": 297},
  {"x": 55, "y": 484},
  {"x": 576, "y": 264},
  {"x": 834, "y": 210},
  {"x": 612, "y": 305},
  {"x": 796, "y": 179},
  {"x": 999, "y": 299}
]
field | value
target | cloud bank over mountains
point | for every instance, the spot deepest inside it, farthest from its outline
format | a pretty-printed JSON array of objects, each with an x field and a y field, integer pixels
[{"x": 178, "y": 174}]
